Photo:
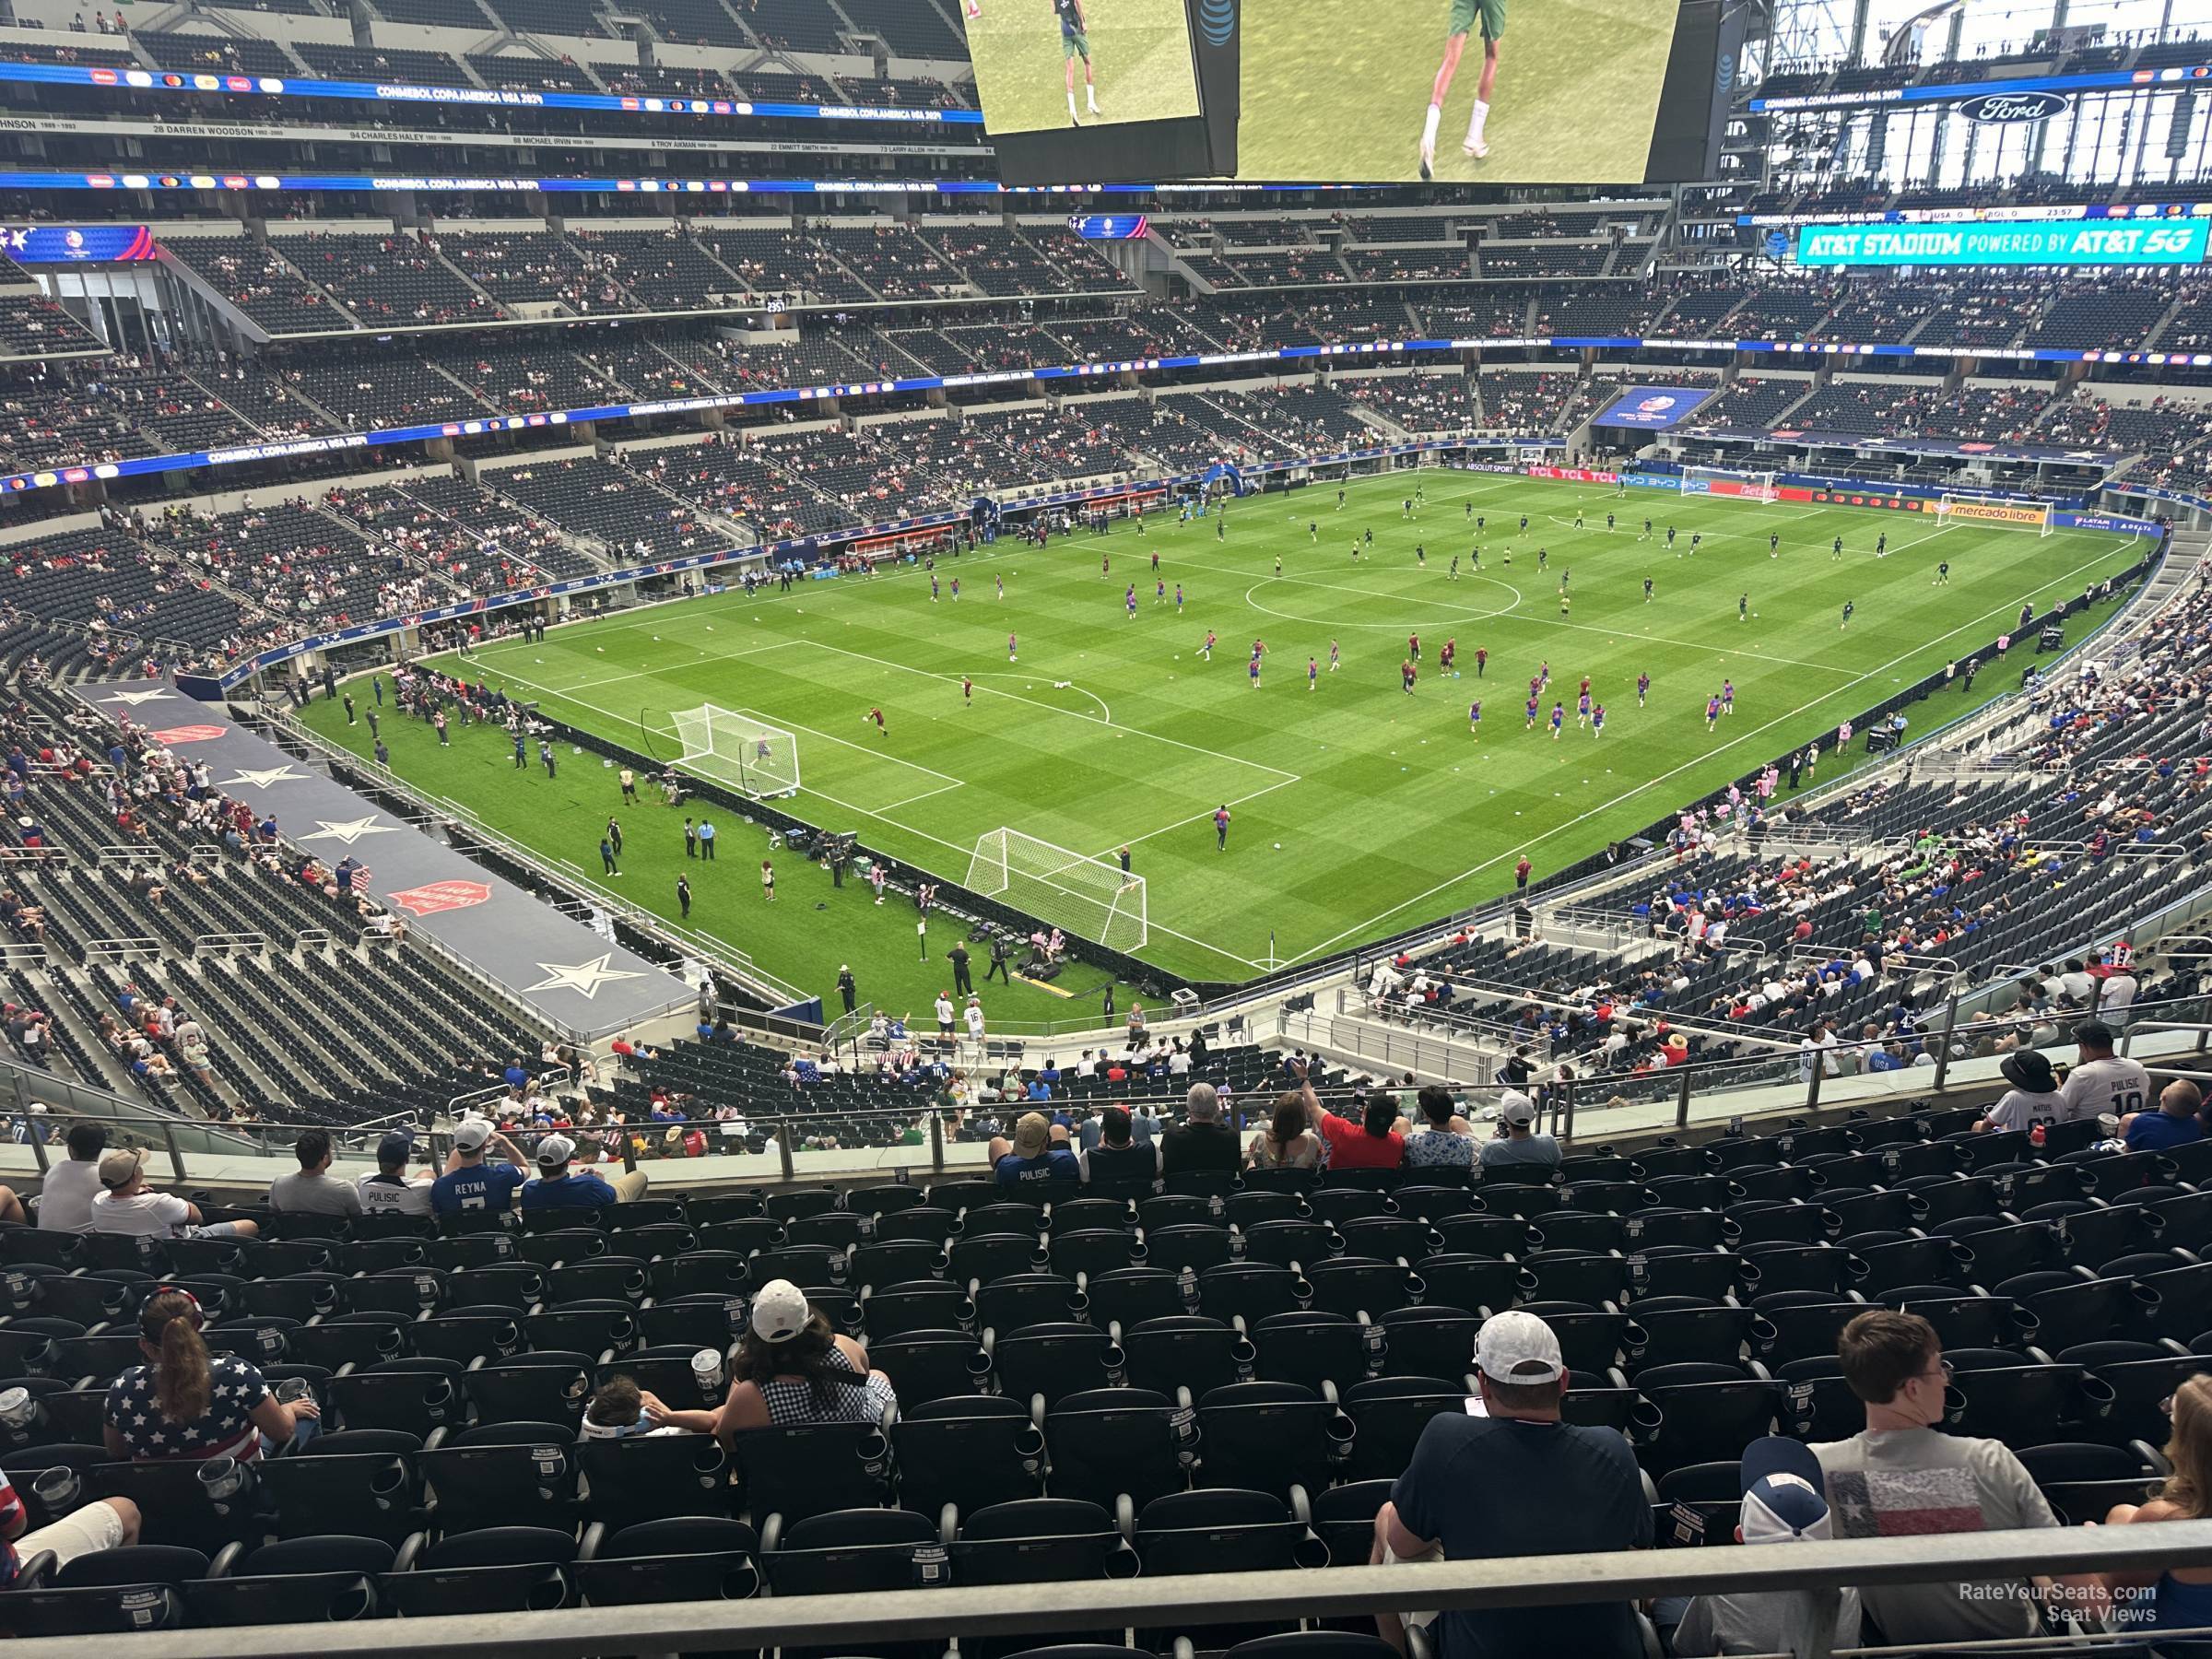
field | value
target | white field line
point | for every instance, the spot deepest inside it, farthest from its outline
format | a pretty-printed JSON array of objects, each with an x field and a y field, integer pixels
[{"x": 883, "y": 814}]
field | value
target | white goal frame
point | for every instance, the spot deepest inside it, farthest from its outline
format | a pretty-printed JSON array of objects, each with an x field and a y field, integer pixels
[
  {"x": 737, "y": 748},
  {"x": 1751, "y": 486},
  {"x": 1995, "y": 512},
  {"x": 1089, "y": 895}
]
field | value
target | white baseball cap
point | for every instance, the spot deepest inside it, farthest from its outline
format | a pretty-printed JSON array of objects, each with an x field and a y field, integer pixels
[
  {"x": 471, "y": 1134},
  {"x": 779, "y": 1311},
  {"x": 1516, "y": 1108},
  {"x": 1518, "y": 1348},
  {"x": 554, "y": 1151}
]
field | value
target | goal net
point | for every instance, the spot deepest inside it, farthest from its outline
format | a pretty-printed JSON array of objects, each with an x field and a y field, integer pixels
[
  {"x": 737, "y": 748},
  {"x": 1989, "y": 510},
  {"x": 1089, "y": 895},
  {"x": 1735, "y": 486}
]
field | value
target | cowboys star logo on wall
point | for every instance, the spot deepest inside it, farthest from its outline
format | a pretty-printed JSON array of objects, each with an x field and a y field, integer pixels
[
  {"x": 583, "y": 978},
  {"x": 351, "y": 831},
  {"x": 135, "y": 698},
  {"x": 261, "y": 777}
]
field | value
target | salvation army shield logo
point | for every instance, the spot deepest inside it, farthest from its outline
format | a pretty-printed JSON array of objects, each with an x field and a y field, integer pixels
[{"x": 435, "y": 896}]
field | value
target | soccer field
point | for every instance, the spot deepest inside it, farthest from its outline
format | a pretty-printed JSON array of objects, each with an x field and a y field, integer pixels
[
  {"x": 1339, "y": 92},
  {"x": 1140, "y": 61},
  {"x": 1111, "y": 730}
]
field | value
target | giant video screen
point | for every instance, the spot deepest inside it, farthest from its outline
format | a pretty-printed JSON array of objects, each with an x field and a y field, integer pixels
[
  {"x": 1041, "y": 65},
  {"x": 1461, "y": 91}
]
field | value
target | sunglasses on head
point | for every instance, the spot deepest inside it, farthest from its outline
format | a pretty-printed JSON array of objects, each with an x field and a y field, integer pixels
[{"x": 195, "y": 1311}]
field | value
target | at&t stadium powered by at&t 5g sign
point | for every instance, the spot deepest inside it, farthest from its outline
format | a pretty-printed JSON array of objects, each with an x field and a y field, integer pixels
[{"x": 2072, "y": 243}]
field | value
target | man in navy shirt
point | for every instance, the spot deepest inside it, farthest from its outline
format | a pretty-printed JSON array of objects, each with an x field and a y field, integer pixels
[
  {"x": 472, "y": 1181},
  {"x": 1035, "y": 1154},
  {"x": 1516, "y": 1481},
  {"x": 2174, "y": 1123},
  {"x": 559, "y": 1187}
]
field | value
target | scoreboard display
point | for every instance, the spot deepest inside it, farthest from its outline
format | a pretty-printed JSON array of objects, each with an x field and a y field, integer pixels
[{"x": 1588, "y": 92}]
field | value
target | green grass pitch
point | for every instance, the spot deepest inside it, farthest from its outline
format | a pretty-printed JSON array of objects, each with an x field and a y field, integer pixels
[
  {"x": 1338, "y": 92},
  {"x": 1140, "y": 60},
  {"x": 1110, "y": 729}
]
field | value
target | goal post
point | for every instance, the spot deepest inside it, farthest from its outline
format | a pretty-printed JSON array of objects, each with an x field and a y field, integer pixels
[
  {"x": 1995, "y": 512},
  {"x": 1729, "y": 483},
  {"x": 1092, "y": 897},
  {"x": 737, "y": 748}
]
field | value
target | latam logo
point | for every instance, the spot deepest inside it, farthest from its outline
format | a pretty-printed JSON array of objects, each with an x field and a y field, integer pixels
[
  {"x": 2013, "y": 108},
  {"x": 434, "y": 897}
]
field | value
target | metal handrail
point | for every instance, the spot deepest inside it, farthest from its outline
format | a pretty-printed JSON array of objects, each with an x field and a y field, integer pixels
[{"x": 1811, "y": 1572}]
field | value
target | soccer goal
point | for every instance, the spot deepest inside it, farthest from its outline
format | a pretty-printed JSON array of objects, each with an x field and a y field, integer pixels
[
  {"x": 1996, "y": 513},
  {"x": 1729, "y": 485},
  {"x": 737, "y": 748},
  {"x": 1090, "y": 896}
]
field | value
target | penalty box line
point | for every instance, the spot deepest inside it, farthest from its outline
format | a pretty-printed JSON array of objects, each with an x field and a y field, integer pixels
[{"x": 882, "y": 814}]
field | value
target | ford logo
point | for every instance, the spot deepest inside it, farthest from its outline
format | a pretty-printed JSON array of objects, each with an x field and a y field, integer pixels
[{"x": 2008, "y": 109}]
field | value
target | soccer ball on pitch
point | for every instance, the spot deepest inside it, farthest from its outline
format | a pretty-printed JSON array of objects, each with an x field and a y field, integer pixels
[{"x": 1279, "y": 846}]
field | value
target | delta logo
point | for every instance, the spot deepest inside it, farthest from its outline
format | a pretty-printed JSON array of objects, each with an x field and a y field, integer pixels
[{"x": 434, "y": 897}]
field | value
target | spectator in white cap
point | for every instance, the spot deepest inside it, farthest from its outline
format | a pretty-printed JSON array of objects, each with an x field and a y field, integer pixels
[
  {"x": 474, "y": 1178},
  {"x": 1784, "y": 1501},
  {"x": 1519, "y": 1146},
  {"x": 1507, "y": 1478},
  {"x": 791, "y": 1367},
  {"x": 557, "y": 1186}
]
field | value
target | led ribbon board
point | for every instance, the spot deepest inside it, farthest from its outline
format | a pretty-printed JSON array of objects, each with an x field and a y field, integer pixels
[
  {"x": 271, "y": 85},
  {"x": 2105, "y": 243}
]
